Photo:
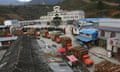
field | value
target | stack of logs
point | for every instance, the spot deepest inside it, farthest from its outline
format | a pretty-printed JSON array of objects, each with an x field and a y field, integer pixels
[
  {"x": 30, "y": 31},
  {"x": 79, "y": 51},
  {"x": 53, "y": 35},
  {"x": 18, "y": 32},
  {"x": 43, "y": 32},
  {"x": 106, "y": 66},
  {"x": 65, "y": 40}
]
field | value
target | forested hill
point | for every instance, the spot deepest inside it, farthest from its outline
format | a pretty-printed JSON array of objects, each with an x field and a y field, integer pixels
[
  {"x": 26, "y": 12},
  {"x": 92, "y": 8}
]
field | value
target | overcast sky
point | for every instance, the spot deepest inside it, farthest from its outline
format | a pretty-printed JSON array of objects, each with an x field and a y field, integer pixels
[
  {"x": 9, "y": 2},
  {"x": 16, "y": 2}
]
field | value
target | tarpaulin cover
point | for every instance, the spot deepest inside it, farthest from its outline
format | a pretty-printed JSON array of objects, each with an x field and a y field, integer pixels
[
  {"x": 72, "y": 58},
  {"x": 82, "y": 38},
  {"x": 88, "y": 30}
]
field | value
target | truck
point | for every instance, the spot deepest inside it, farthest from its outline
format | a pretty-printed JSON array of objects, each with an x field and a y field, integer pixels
[
  {"x": 17, "y": 32},
  {"x": 30, "y": 31},
  {"x": 5, "y": 36},
  {"x": 5, "y": 31},
  {"x": 66, "y": 42},
  {"x": 44, "y": 33},
  {"x": 82, "y": 54},
  {"x": 55, "y": 36}
]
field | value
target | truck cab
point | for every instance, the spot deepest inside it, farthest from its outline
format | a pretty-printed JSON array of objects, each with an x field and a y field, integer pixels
[
  {"x": 86, "y": 60},
  {"x": 72, "y": 60},
  {"x": 5, "y": 36}
]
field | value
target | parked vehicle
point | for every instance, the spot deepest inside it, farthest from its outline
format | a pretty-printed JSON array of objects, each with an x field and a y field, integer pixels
[
  {"x": 72, "y": 60},
  {"x": 82, "y": 54},
  {"x": 44, "y": 33},
  {"x": 66, "y": 42},
  {"x": 5, "y": 36},
  {"x": 55, "y": 37},
  {"x": 30, "y": 31},
  {"x": 17, "y": 32}
]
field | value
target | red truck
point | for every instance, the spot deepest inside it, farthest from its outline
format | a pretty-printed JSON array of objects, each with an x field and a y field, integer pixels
[
  {"x": 66, "y": 43},
  {"x": 82, "y": 54}
]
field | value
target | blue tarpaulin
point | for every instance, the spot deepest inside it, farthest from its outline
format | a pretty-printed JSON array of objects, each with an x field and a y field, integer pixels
[
  {"x": 82, "y": 38},
  {"x": 95, "y": 19},
  {"x": 88, "y": 31}
]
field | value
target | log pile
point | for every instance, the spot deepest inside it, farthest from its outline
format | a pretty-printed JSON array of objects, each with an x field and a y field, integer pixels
[
  {"x": 79, "y": 51},
  {"x": 2, "y": 34},
  {"x": 18, "y": 32},
  {"x": 30, "y": 31},
  {"x": 53, "y": 35},
  {"x": 106, "y": 66},
  {"x": 65, "y": 40},
  {"x": 43, "y": 32}
]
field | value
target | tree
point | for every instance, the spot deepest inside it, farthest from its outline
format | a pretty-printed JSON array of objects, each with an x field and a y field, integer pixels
[
  {"x": 100, "y": 5},
  {"x": 118, "y": 7}
]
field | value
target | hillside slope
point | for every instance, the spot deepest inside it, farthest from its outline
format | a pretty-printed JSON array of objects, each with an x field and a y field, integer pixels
[
  {"x": 94, "y": 8},
  {"x": 9, "y": 16}
]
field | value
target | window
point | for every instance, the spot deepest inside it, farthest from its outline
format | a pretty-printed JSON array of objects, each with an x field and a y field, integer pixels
[
  {"x": 81, "y": 33},
  {"x": 102, "y": 33},
  {"x": 87, "y": 35},
  {"x": 76, "y": 16},
  {"x": 112, "y": 34}
]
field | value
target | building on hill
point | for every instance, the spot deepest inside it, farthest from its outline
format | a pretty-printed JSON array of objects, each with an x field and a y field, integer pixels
[
  {"x": 109, "y": 36},
  {"x": 66, "y": 16}
]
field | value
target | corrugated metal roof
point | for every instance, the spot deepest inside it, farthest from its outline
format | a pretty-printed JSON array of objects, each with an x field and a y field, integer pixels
[
  {"x": 8, "y": 38},
  {"x": 2, "y": 26},
  {"x": 112, "y": 29},
  {"x": 95, "y": 19}
]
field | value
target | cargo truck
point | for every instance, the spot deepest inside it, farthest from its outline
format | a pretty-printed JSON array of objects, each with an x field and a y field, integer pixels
[
  {"x": 55, "y": 36},
  {"x": 44, "y": 33},
  {"x": 66, "y": 42},
  {"x": 82, "y": 54}
]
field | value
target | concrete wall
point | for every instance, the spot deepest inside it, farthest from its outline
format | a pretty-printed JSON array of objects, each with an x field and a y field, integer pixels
[{"x": 113, "y": 45}]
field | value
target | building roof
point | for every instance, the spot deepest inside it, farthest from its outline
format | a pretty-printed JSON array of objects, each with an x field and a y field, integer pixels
[
  {"x": 113, "y": 23},
  {"x": 95, "y": 19},
  {"x": 88, "y": 30},
  {"x": 110, "y": 25},
  {"x": 2, "y": 26},
  {"x": 8, "y": 38},
  {"x": 112, "y": 29}
]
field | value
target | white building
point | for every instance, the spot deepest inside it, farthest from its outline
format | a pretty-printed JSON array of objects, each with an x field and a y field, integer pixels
[
  {"x": 65, "y": 15},
  {"x": 10, "y": 22},
  {"x": 109, "y": 36}
]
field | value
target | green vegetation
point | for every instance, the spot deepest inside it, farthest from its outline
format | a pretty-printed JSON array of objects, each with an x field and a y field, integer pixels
[
  {"x": 92, "y": 8},
  {"x": 26, "y": 12}
]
